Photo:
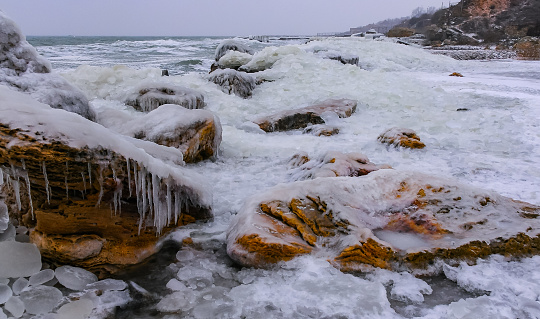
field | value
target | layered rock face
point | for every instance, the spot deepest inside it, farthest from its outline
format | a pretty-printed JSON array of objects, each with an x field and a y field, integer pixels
[
  {"x": 302, "y": 117},
  {"x": 387, "y": 219},
  {"x": 92, "y": 198},
  {"x": 24, "y": 70}
]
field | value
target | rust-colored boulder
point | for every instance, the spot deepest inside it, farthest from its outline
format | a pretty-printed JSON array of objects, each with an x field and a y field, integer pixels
[
  {"x": 401, "y": 137},
  {"x": 321, "y": 130},
  {"x": 196, "y": 133},
  {"x": 387, "y": 219},
  {"x": 91, "y": 197},
  {"x": 302, "y": 117}
]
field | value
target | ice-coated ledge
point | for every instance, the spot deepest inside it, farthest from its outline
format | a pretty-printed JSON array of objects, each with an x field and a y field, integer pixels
[{"x": 388, "y": 219}]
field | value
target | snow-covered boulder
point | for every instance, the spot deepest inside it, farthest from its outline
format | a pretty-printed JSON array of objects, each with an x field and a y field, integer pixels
[
  {"x": 387, "y": 219},
  {"x": 234, "y": 82},
  {"x": 267, "y": 57},
  {"x": 149, "y": 96},
  {"x": 333, "y": 164},
  {"x": 196, "y": 133},
  {"x": 231, "y": 45},
  {"x": 401, "y": 137},
  {"x": 234, "y": 60},
  {"x": 24, "y": 70},
  {"x": 92, "y": 197},
  {"x": 302, "y": 117}
]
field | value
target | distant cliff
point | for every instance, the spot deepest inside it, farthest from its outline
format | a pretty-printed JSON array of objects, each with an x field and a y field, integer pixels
[{"x": 489, "y": 21}]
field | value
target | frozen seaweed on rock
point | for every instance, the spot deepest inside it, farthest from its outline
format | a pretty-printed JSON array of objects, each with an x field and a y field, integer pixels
[
  {"x": 93, "y": 198},
  {"x": 149, "y": 96},
  {"x": 401, "y": 137},
  {"x": 231, "y": 45},
  {"x": 387, "y": 219},
  {"x": 302, "y": 117},
  {"x": 334, "y": 163},
  {"x": 23, "y": 69},
  {"x": 234, "y": 82}
]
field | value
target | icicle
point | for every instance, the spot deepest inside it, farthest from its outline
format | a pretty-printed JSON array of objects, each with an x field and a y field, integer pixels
[
  {"x": 27, "y": 180},
  {"x": 129, "y": 176},
  {"x": 66, "y": 180},
  {"x": 157, "y": 206},
  {"x": 177, "y": 208},
  {"x": 23, "y": 165},
  {"x": 169, "y": 202},
  {"x": 84, "y": 182},
  {"x": 16, "y": 190},
  {"x": 90, "y": 173},
  {"x": 1, "y": 177},
  {"x": 47, "y": 191},
  {"x": 149, "y": 194},
  {"x": 142, "y": 176},
  {"x": 100, "y": 180}
]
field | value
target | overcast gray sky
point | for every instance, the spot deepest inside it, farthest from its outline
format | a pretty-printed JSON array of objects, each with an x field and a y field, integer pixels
[{"x": 202, "y": 17}]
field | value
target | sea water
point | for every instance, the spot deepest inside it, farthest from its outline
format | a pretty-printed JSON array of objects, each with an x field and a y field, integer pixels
[{"x": 482, "y": 129}]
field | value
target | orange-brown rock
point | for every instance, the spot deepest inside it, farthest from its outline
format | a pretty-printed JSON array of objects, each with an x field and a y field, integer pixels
[
  {"x": 401, "y": 137},
  {"x": 302, "y": 117},
  {"x": 387, "y": 219},
  {"x": 90, "y": 206},
  {"x": 400, "y": 32},
  {"x": 528, "y": 48}
]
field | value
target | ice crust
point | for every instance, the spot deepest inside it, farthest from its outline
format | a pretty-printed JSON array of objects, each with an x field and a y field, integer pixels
[
  {"x": 24, "y": 259},
  {"x": 41, "y": 299},
  {"x": 74, "y": 278}
]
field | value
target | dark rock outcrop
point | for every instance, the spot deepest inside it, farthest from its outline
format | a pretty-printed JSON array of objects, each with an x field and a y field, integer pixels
[
  {"x": 302, "y": 117},
  {"x": 233, "y": 82}
]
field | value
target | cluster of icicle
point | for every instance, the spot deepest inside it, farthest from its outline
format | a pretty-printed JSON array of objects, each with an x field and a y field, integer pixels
[{"x": 163, "y": 206}]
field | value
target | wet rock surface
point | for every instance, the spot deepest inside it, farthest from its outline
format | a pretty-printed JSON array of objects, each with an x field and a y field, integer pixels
[{"x": 302, "y": 117}]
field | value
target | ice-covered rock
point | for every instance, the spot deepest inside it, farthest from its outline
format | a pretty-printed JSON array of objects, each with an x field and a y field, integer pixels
[
  {"x": 149, "y": 96},
  {"x": 401, "y": 137},
  {"x": 344, "y": 58},
  {"x": 78, "y": 309},
  {"x": 15, "y": 306},
  {"x": 175, "y": 301},
  {"x": 92, "y": 197},
  {"x": 267, "y": 57},
  {"x": 302, "y": 117},
  {"x": 41, "y": 299},
  {"x": 19, "y": 285},
  {"x": 24, "y": 70},
  {"x": 387, "y": 219},
  {"x": 196, "y": 133},
  {"x": 321, "y": 130},
  {"x": 234, "y": 60},
  {"x": 24, "y": 259},
  {"x": 108, "y": 284},
  {"x": 334, "y": 163},
  {"x": 231, "y": 45},
  {"x": 41, "y": 277},
  {"x": 5, "y": 293},
  {"x": 74, "y": 278},
  {"x": 234, "y": 82}
]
